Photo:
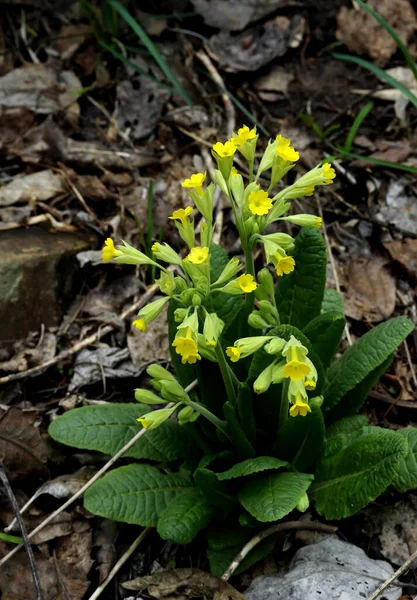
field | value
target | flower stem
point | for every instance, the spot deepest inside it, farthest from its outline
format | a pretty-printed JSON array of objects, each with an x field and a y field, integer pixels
[
  {"x": 283, "y": 409},
  {"x": 250, "y": 269},
  {"x": 209, "y": 416},
  {"x": 227, "y": 378}
]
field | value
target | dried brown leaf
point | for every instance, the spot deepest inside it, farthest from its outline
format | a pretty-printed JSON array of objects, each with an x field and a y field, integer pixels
[{"x": 404, "y": 252}]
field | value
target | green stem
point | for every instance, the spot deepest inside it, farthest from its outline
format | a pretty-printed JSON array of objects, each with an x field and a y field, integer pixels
[
  {"x": 250, "y": 269},
  {"x": 233, "y": 376},
  {"x": 251, "y": 171},
  {"x": 209, "y": 416},
  {"x": 283, "y": 409},
  {"x": 227, "y": 378}
]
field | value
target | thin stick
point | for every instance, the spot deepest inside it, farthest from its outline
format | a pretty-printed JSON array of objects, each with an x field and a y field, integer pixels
[
  {"x": 279, "y": 528},
  {"x": 120, "y": 563},
  {"x": 81, "y": 491},
  {"x": 26, "y": 543},
  {"x": 393, "y": 577},
  {"x": 332, "y": 263},
  {"x": 100, "y": 333},
  {"x": 410, "y": 363},
  {"x": 228, "y": 105}
]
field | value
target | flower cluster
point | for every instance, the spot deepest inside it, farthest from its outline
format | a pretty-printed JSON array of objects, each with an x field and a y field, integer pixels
[
  {"x": 289, "y": 362},
  {"x": 188, "y": 283}
]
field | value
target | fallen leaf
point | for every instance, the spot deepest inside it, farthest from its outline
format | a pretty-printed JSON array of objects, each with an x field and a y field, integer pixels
[
  {"x": 400, "y": 208},
  {"x": 97, "y": 365},
  {"x": 273, "y": 85},
  {"x": 188, "y": 582},
  {"x": 234, "y": 15},
  {"x": 328, "y": 570},
  {"x": 23, "y": 450},
  {"x": 70, "y": 38},
  {"x": 43, "y": 185},
  {"x": 370, "y": 290},
  {"x": 377, "y": 43},
  {"x": 151, "y": 344},
  {"x": 405, "y": 252},
  {"x": 396, "y": 527},
  {"x": 14, "y": 122},
  {"x": 256, "y": 47},
  {"x": 44, "y": 350},
  {"x": 104, "y": 540},
  {"x": 33, "y": 87}
]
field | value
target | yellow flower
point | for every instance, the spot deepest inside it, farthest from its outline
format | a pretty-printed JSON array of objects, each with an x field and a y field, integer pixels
[
  {"x": 234, "y": 172},
  {"x": 155, "y": 247},
  {"x": 224, "y": 150},
  {"x": 181, "y": 214},
  {"x": 259, "y": 203},
  {"x": 140, "y": 324},
  {"x": 282, "y": 141},
  {"x": 198, "y": 255},
  {"x": 233, "y": 353},
  {"x": 309, "y": 384},
  {"x": 295, "y": 368},
  {"x": 300, "y": 407},
  {"x": 284, "y": 264},
  {"x": 145, "y": 422},
  {"x": 247, "y": 283},
  {"x": 187, "y": 347},
  {"x": 191, "y": 359},
  {"x": 309, "y": 190},
  {"x": 109, "y": 251},
  {"x": 195, "y": 182},
  {"x": 244, "y": 134},
  {"x": 284, "y": 149},
  {"x": 328, "y": 173},
  {"x": 211, "y": 343}
]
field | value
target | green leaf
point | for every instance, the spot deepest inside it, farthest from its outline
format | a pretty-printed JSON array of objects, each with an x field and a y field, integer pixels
[
  {"x": 300, "y": 294},
  {"x": 355, "y": 398},
  {"x": 366, "y": 355},
  {"x": 251, "y": 466},
  {"x": 108, "y": 427},
  {"x": 324, "y": 333},
  {"x": 301, "y": 440},
  {"x": 221, "y": 557},
  {"x": 332, "y": 302},
  {"x": 271, "y": 496},
  {"x": 185, "y": 517},
  {"x": 135, "y": 494},
  {"x": 346, "y": 425},
  {"x": 214, "y": 490},
  {"x": 406, "y": 477},
  {"x": 237, "y": 435},
  {"x": 245, "y": 411},
  {"x": 360, "y": 467}
]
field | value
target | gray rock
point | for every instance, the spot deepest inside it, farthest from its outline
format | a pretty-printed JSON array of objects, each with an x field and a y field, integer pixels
[{"x": 329, "y": 570}]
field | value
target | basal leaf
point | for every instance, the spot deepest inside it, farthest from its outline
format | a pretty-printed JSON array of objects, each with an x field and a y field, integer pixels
[
  {"x": 271, "y": 496},
  {"x": 324, "y": 333},
  {"x": 108, "y": 427},
  {"x": 300, "y": 294},
  {"x": 185, "y": 517},
  {"x": 238, "y": 436},
  {"x": 214, "y": 490},
  {"x": 220, "y": 557},
  {"x": 347, "y": 425},
  {"x": 245, "y": 411},
  {"x": 332, "y": 302},
  {"x": 357, "y": 471},
  {"x": 135, "y": 494},
  {"x": 366, "y": 355},
  {"x": 406, "y": 477},
  {"x": 251, "y": 466}
]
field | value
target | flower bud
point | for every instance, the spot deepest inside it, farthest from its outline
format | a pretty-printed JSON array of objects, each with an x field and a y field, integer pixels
[
  {"x": 304, "y": 220},
  {"x": 230, "y": 270},
  {"x": 180, "y": 314},
  {"x": 166, "y": 283},
  {"x": 173, "y": 391},
  {"x": 275, "y": 346},
  {"x": 187, "y": 415},
  {"x": 166, "y": 253},
  {"x": 256, "y": 321},
  {"x": 237, "y": 186},
  {"x": 316, "y": 402},
  {"x": 219, "y": 179},
  {"x": 154, "y": 419},
  {"x": 128, "y": 255},
  {"x": 147, "y": 397},
  {"x": 159, "y": 373},
  {"x": 285, "y": 241},
  {"x": 264, "y": 380},
  {"x": 303, "y": 503},
  {"x": 267, "y": 281},
  {"x": 268, "y": 312}
]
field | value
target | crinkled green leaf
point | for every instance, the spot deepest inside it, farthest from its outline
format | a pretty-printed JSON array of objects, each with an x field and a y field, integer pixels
[
  {"x": 347, "y": 425},
  {"x": 185, "y": 517},
  {"x": 221, "y": 558},
  {"x": 406, "y": 477},
  {"x": 366, "y": 355},
  {"x": 108, "y": 427},
  {"x": 226, "y": 306},
  {"x": 251, "y": 466},
  {"x": 300, "y": 294},
  {"x": 271, "y": 496},
  {"x": 214, "y": 490},
  {"x": 360, "y": 467},
  {"x": 332, "y": 302},
  {"x": 135, "y": 494},
  {"x": 301, "y": 439},
  {"x": 245, "y": 411},
  {"x": 237, "y": 435},
  {"x": 324, "y": 333}
]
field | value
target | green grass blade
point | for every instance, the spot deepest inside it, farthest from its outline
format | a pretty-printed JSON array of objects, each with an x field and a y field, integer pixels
[
  {"x": 13, "y": 539},
  {"x": 374, "y": 161},
  {"x": 149, "y": 217},
  {"x": 311, "y": 122},
  {"x": 378, "y": 17},
  {"x": 379, "y": 73},
  {"x": 131, "y": 64},
  {"x": 147, "y": 42},
  {"x": 360, "y": 117}
]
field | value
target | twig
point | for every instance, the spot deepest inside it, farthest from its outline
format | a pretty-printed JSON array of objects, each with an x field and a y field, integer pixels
[
  {"x": 393, "y": 577},
  {"x": 228, "y": 105},
  {"x": 332, "y": 263},
  {"x": 81, "y": 491},
  {"x": 279, "y": 528},
  {"x": 26, "y": 543},
  {"x": 64, "y": 174},
  {"x": 410, "y": 363},
  {"x": 100, "y": 333},
  {"x": 120, "y": 563}
]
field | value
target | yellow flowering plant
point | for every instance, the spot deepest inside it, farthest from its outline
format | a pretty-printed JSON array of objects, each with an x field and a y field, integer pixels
[{"x": 257, "y": 416}]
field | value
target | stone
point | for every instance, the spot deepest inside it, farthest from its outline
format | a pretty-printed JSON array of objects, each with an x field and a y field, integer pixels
[{"x": 37, "y": 278}]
